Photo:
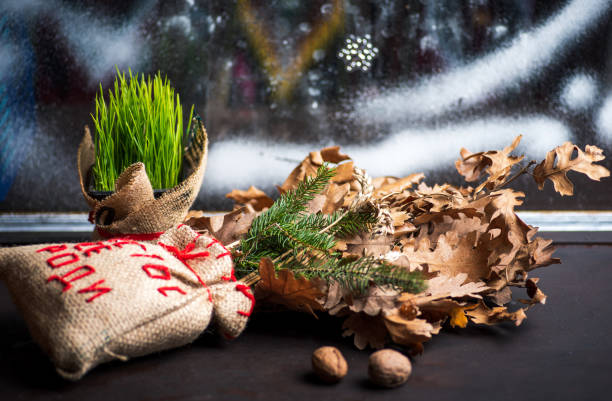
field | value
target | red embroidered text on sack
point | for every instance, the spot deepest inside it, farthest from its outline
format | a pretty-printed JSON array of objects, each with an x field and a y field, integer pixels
[
  {"x": 184, "y": 255},
  {"x": 85, "y": 249}
]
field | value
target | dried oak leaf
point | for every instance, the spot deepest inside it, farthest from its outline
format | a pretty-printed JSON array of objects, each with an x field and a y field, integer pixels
[
  {"x": 377, "y": 299},
  {"x": 460, "y": 226},
  {"x": 194, "y": 213},
  {"x": 308, "y": 167},
  {"x": 458, "y": 316},
  {"x": 438, "y": 216},
  {"x": 364, "y": 245},
  {"x": 410, "y": 332},
  {"x": 439, "y": 310},
  {"x": 501, "y": 297},
  {"x": 452, "y": 255},
  {"x": 497, "y": 164},
  {"x": 536, "y": 296},
  {"x": 435, "y": 304},
  {"x": 282, "y": 287},
  {"x": 334, "y": 299},
  {"x": 252, "y": 196},
  {"x": 482, "y": 314},
  {"x": 444, "y": 286},
  {"x": 387, "y": 185},
  {"x": 332, "y": 198},
  {"x": 509, "y": 233},
  {"x": 226, "y": 228},
  {"x": 513, "y": 251},
  {"x": 540, "y": 253},
  {"x": 582, "y": 163},
  {"x": 332, "y": 154},
  {"x": 344, "y": 173},
  {"x": 368, "y": 330}
]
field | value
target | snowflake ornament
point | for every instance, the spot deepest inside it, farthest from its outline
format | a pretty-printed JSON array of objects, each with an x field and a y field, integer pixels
[{"x": 358, "y": 53}]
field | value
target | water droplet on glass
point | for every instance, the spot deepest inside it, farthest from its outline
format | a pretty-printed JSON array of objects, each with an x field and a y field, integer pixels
[
  {"x": 313, "y": 76},
  {"x": 326, "y": 9},
  {"x": 304, "y": 27},
  {"x": 314, "y": 91},
  {"x": 318, "y": 54}
]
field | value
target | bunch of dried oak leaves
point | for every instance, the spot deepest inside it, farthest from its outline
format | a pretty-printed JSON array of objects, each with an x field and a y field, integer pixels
[{"x": 468, "y": 243}]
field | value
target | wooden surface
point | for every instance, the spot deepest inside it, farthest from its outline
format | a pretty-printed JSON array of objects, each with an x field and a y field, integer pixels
[{"x": 563, "y": 351}]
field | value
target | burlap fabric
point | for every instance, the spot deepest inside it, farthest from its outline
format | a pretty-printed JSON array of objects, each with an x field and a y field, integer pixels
[
  {"x": 132, "y": 208},
  {"x": 92, "y": 302}
]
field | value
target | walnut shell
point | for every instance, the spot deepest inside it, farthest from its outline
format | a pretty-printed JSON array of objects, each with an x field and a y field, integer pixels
[
  {"x": 329, "y": 364},
  {"x": 389, "y": 368}
]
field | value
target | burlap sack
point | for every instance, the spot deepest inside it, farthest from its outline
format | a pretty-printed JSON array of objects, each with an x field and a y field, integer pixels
[
  {"x": 89, "y": 303},
  {"x": 132, "y": 208}
]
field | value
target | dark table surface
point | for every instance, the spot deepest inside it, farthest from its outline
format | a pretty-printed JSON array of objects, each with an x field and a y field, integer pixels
[{"x": 563, "y": 351}]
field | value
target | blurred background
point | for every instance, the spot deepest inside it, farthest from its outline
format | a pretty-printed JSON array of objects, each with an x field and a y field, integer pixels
[{"x": 401, "y": 85}]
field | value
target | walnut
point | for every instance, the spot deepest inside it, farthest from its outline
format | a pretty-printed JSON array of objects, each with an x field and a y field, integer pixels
[
  {"x": 329, "y": 364},
  {"x": 389, "y": 368}
]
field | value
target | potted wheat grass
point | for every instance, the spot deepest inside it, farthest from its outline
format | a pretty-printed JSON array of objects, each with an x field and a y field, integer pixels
[
  {"x": 141, "y": 122},
  {"x": 143, "y": 167}
]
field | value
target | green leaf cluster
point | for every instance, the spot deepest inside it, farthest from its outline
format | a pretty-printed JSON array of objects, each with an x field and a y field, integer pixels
[
  {"x": 141, "y": 122},
  {"x": 303, "y": 242}
]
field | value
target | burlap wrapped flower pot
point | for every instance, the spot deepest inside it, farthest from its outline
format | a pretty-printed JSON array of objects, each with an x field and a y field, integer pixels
[
  {"x": 133, "y": 208},
  {"x": 93, "y": 302}
]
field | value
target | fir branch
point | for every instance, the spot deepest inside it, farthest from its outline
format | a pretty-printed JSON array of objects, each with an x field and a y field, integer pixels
[
  {"x": 302, "y": 242},
  {"x": 287, "y": 207},
  {"x": 356, "y": 275}
]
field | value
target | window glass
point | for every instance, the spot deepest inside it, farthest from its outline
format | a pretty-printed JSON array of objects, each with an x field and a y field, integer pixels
[{"x": 400, "y": 85}]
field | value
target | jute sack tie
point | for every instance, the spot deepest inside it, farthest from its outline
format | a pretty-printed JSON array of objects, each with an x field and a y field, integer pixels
[
  {"x": 92, "y": 302},
  {"x": 132, "y": 208}
]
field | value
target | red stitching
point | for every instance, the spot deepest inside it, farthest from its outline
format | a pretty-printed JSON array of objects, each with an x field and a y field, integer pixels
[
  {"x": 81, "y": 244},
  {"x": 119, "y": 242},
  {"x": 184, "y": 256},
  {"x": 224, "y": 254},
  {"x": 147, "y": 256},
  {"x": 96, "y": 247},
  {"x": 232, "y": 277},
  {"x": 101, "y": 291},
  {"x": 136, "y": 237},
  {"x": 163, "y": 290},
  {"x": 165, "y": 273},
  {"x": 75, "y": 258},
  {"x": 216, "y": 241},
  {"x": 245, "y": 290},
  {"x": 229, "y": 337},
  {"x": 53, "y": 248},
  {"x": 66, "y": 283},
  {"x": 180, "y": 225}
]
